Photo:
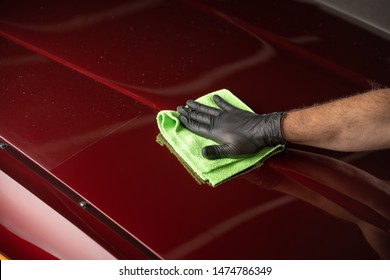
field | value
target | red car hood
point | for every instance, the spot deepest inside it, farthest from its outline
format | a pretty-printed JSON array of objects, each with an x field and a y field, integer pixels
[{"x": 81, "y": 85}]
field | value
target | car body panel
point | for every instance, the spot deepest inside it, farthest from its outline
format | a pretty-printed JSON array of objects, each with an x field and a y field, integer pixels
[
  {"x": 44, "y": 227},
  {"x": 81, "y": 85}
]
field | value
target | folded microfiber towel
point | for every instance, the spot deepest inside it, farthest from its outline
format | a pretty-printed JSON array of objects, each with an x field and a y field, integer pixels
[{"x": 187, "y": 146}]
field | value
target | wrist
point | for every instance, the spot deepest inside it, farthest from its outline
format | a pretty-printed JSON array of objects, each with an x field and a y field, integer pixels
[
  {"x": 271, "y": 129},
  {"x": 283, "y": 127},
  {"x": 292, "y": 126},
  {"x": 278, "y": 135}
]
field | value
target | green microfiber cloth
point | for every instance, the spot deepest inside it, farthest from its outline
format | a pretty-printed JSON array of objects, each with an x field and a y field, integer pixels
[{"x": 187, "y": 146}]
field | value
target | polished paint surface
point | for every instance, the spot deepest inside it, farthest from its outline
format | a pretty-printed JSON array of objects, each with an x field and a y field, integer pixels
[
  {"x": 69, "y": 204},
  {"x": 43, "y": 227},
  {"x": 80, "y": 86}
]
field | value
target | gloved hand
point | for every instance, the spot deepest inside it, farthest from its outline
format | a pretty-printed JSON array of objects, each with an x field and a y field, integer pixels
[{"x": 239, "y": 133}]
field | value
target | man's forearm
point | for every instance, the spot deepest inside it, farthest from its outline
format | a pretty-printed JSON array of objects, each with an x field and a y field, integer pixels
[{"x": 356, "y": 123}]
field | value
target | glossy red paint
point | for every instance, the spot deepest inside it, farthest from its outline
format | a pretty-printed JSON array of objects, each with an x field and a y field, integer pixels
[
  {"x": 68, "y": 203},
  {"x": 21, "y": 249},
  {"x": 80, "y": 85},
  {"x": 43, "y": 227}
]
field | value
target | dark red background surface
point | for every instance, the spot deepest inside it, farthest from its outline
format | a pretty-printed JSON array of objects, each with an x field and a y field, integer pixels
[{"x": 81, "y": 84}]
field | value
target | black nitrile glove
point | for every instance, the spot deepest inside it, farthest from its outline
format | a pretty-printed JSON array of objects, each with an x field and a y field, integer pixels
[{"x": 240, "y": 133}]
